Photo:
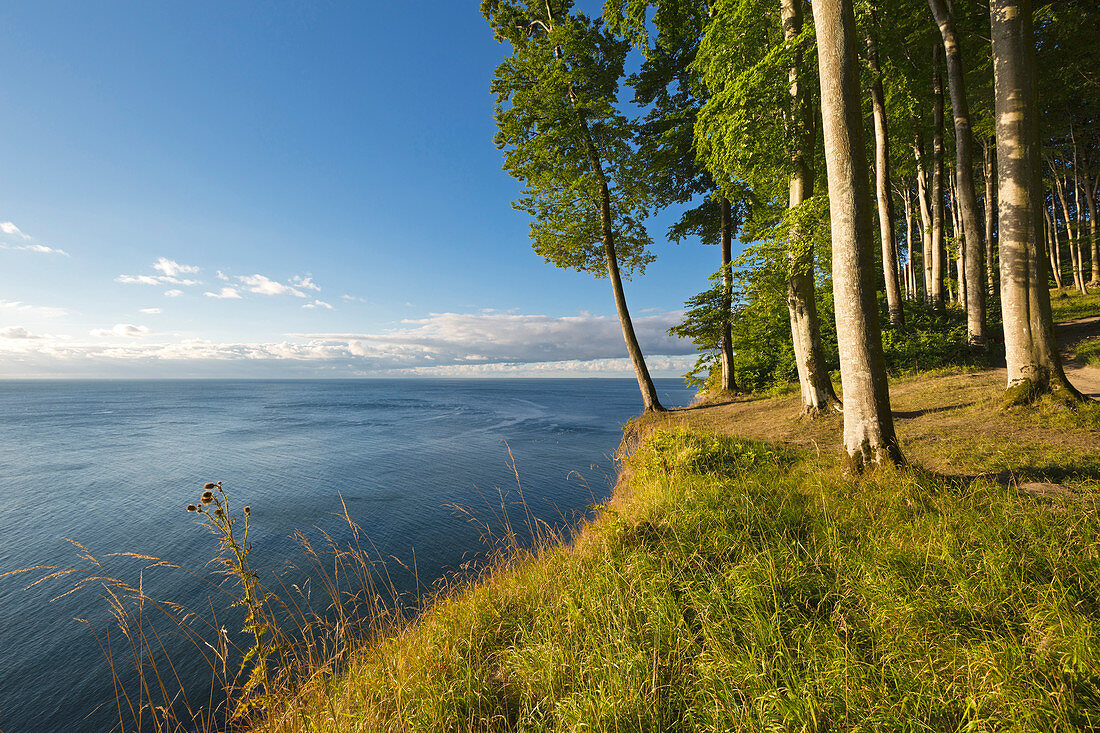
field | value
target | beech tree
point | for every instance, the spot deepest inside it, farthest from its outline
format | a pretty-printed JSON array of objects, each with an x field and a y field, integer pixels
[
  {"x": 1034, "y": 365},
  {"x": 668, "y": 87},
  {"x": 757, "y": 126},
  {"x": 564, "y": 138},
  {"x": 869, "y": 437},
  {"x": 966, "y": 201}
]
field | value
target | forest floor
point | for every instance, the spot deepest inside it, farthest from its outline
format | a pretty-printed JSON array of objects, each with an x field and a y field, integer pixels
[{"x": 949, "y": 422}]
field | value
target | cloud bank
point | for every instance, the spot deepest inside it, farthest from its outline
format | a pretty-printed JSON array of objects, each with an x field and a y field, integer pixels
[{"x": 442, "y": 344}]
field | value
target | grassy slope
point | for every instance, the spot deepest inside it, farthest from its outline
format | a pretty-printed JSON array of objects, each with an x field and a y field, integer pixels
[{"x": 732, "y": 584}]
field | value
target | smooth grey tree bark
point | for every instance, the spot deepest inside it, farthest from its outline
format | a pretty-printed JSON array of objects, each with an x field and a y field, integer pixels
[
  {"x": 924, "y": 204},
  {"x": 966, "y": 200},
  {"x": 937, "y": 181},
  {"x": 814, "y": 383},
  {"x": 1031, "y": 353},
  {"x": 869, "y": 437},
  {"x": 729, "y": 379},
  {"x": 1053, "y": 249},
  {"x": 989, "y": 165},
  {"x": 641, "y": 371},
  {"x": 883, "y": 198}
]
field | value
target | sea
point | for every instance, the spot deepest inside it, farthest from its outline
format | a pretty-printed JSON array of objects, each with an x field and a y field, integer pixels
[{"x": 92, "y": 469}]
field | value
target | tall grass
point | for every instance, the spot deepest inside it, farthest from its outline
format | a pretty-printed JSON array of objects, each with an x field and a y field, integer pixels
[{"x": 739, "y": 586}]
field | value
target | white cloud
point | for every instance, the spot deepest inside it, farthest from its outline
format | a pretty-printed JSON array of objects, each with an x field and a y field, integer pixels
[
  {"x": 318, "y": 304},
  {"x": 138, "y": 280},
  {"x": 170, "y": 274},
  {"x": 266, "y": 286},
  {"x": 171, "y": 268},
  {"x": 39, "y": 310},
  {"x": 353, "y": 298},
  {"x": 305, "y": 282},
  {"x": 173, "y": 293},
  {"x": 151, "y": 311},
  {"x": 125, "y": 330},
  {"x": 224, "y": 294},
  {"x": 38, "y": 248},
  {"x": 221, "y": 275},
  {"x": 444, "y": 344},
  {"x": 7, "y": 227},
  {"x": 16, "y": 332}
]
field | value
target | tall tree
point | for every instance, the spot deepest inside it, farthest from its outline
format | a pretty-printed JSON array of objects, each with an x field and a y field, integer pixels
[
  {"x": 967, "y": 200},
  {"x": 1034, "y": 365},
  {"x": 563, "y": 136},
  {"x": 757, "y": 128},
  {"x": 936, "y": 194},
  {"x": 668, "y": 87},
  {"x": 883, "y": 196},
  {"x": 868, "y": 424}
]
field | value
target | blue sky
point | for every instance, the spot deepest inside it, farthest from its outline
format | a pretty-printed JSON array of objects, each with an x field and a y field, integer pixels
[{"x": 299, "y": 189}]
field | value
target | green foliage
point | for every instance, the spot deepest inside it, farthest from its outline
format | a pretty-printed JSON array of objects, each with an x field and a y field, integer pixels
[
  {"x": 761, "y": 322},
  {"x": 563, "y": 136}
]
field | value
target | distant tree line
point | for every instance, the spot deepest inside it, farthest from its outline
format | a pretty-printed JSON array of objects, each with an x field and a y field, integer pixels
[{"x": 886, "y": 165}]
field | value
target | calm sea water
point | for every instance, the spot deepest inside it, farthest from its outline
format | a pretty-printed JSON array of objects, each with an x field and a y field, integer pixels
[{"x": 113, "y": 465}]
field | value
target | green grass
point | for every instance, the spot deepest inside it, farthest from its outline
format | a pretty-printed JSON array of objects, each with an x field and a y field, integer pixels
[
  {"x": 738, "y": 586},
  {"x": 1068, "y": 304},
  {"x": 1088, "y": 351}
]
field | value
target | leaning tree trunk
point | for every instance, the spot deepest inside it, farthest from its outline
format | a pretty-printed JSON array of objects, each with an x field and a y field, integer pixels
[
  {"x": 883, "y": 198},
  {"x": 813, "y": 374},
  {"x": 988, "y": 169},
  {"x": 925, "y": 206},
  {"x": 729, "y": 380},
  {"x": 966, "y": 200},
  {"x": 868, "y": 425},
  {"x": 1034, "y": 365},
  {"x": 937, "y": 182},
  {"x": 645, "y": 382}
]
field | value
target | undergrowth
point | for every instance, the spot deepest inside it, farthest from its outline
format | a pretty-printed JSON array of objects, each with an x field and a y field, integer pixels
[{"x": 740, "y": 586}]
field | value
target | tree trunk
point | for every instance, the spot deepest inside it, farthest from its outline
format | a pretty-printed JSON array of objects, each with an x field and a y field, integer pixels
[
  {"x": 960, "y": 238},
  {"x": 883, "y": 198},
  {"x": 910, "y": 265},
  {"x": 925, "y": 206},
  {"x": 729, "y": 379},
  {"x": 1071, "y": 238},
  {"x": 868, "y": 424},
  {"x": 1080, "y": 228},
  {"x": 1059, "y": 278},
  {"x": 989, "y": 169},
  {"x": 813, "y": 374},
  {"x": 1034, "y": 365},
  {"x": 937, "y": 181},
  {"x": 1090, "y": 203},
  {"x": 645, "y": 382},
  {"x": 966, "y": 200},
  {"x": 1052, "y": 246}
]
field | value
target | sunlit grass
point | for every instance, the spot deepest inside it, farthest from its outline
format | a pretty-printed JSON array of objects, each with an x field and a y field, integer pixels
[{"x": 739, "y": 586}]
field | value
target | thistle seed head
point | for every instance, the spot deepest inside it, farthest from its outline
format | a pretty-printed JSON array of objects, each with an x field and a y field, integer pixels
[
  {"x": 192, "y": 508},
  {"x": 209, "y": 486},
  {"x": 247, "y": 510},
  {"x": 207, "y": 497}
]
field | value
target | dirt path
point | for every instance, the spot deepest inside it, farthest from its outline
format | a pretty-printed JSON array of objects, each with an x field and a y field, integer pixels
[{"x": 1084, "y": 377}]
